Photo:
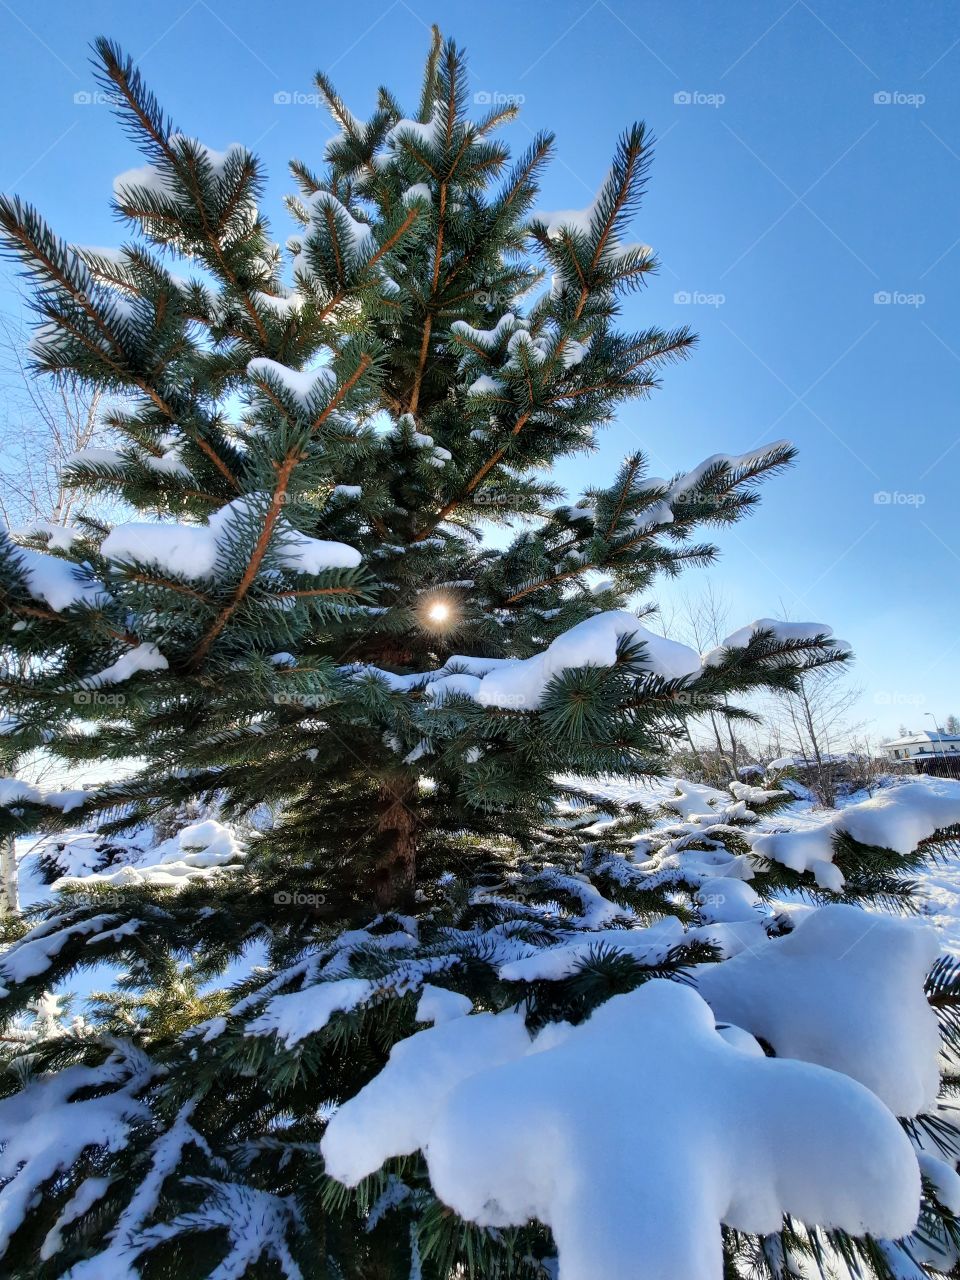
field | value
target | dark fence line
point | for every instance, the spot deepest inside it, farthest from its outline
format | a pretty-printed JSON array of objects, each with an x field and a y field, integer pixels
[{"x": 939, "y": 766}]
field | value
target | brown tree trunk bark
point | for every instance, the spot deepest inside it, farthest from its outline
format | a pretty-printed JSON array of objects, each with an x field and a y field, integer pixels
[{"x": 395, "y": 873}]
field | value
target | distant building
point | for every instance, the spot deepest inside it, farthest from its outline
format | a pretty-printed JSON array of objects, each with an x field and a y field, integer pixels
[{"x": 924, "y": 748}]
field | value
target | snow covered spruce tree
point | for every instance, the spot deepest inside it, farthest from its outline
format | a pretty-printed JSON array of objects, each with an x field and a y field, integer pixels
[{"x": 648, "y": 1058}]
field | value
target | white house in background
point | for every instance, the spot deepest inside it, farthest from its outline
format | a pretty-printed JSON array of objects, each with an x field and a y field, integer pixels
[{"x": 924, "y": 745}]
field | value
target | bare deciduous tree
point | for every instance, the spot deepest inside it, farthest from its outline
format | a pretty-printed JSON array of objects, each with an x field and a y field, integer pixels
[
  {"x": 43, "y": 423},
  {"x": 703, "y": 622}
]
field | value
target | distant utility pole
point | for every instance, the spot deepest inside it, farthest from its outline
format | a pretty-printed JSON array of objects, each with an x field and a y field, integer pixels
[{"x": 939, "y": 738}]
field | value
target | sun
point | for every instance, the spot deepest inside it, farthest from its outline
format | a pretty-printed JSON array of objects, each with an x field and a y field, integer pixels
[{"x": 438, "y": 613}]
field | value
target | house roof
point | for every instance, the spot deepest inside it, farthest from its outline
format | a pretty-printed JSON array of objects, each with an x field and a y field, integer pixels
[{"x": 922, "y": 738}]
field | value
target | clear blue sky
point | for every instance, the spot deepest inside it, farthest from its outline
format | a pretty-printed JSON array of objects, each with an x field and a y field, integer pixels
[{"x": 786, "y": 195}]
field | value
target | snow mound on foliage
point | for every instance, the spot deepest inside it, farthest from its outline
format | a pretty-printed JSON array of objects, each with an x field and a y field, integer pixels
[
  {"x": 784, "y": 632},
  {"x": 557, "y": 1129},
  {"x": 522, "y": 682},
  {"x": 60, "y": 584},
  {"x": 197, "y": 851},
  {"x": 646, "y": 946},
  {"x": 897, "y": 818},
  {"x": 45, "y": 1127},
  {"x": 437, "y": 1005},
  {"x": 302, "y": 385},
  {"x": 142, "y": 657},
  {"x": 844, "y": 990},
  {"x": 162, "y": 179},
  {"x": 14, "y": 792},
  {"x": 299, "y": 1014},
  {"x": 60, "y": 537},
  {"x": 196, "y": 551}
]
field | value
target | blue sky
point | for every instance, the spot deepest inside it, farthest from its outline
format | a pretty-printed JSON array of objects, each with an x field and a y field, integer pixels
[{"x": 803, "y": 205}]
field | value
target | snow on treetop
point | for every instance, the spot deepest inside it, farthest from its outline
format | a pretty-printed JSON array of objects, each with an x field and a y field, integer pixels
[
  {"x": 323, "y": 202},
  {"x": 557, "y": 1129},
  {"x": 192, "y": 551},
  {"x": 520, "y": 683},
  {"x": 188, "y": 551},
  {"x": 534, "y": 349},
  {"x": 755, "y": 795},
  {"x": 419, "y": 191},
  {"x": 14, "y": 791},
  {"x": 393, "y": 1114},
  {"x": 295, "y": 1016},
  {"x": 150, "y": 176},
  {"x": 485, "y": 386},
  {"x": 579, "y": 220},
  {"x": 282, "y": 305},
  {"x": 487, "y": 338},
  {"x": 169, "y": 462},
  {"x": 416, "y": 129},
  {"x": 734, "y": 461},
  {"x": 437, "y": 1005},
  {"x": 649, "y": 946},
  {"x": 301, "y": 384},
  {"x": 696, "y": 799},
  {"x": 160, "y": 180},
  {"x": 96, "y": 457}
]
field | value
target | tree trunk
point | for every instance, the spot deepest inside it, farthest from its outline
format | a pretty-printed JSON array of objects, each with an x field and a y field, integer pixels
[
  {"x": 825, "y": 781},
  {"x": 720, "y": 750},
  {"x": 394, "y": 876},
  {"x": 697, "y": 755},
  {"x": 734, "y": 748}
]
